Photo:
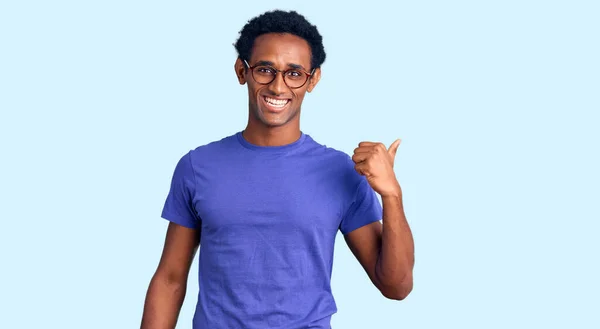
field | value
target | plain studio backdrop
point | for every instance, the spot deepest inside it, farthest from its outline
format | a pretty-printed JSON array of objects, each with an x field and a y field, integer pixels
[{"x": 496, "y": 103}]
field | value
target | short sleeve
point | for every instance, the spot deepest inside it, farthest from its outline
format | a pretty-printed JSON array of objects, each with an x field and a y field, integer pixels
[
  {"x": 364, "y": 209},
  {"x": 179, "y": 206}
]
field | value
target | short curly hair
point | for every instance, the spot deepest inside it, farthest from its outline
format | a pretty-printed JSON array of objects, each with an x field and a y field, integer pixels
[{"x": 278, "y": 21}]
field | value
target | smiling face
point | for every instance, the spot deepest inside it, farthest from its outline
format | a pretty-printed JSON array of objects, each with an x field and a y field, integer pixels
[{"x": 276, "y": 104}]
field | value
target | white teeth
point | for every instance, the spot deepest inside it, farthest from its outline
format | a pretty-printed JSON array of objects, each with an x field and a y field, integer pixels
[{"x": 276, "y": 102}]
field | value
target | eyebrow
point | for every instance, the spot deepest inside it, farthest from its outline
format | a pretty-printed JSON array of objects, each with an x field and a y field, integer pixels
[{"x": 269, "y": 63}]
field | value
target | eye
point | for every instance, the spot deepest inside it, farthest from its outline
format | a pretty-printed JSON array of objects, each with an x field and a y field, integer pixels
[
  {"x": 294, "y": 74},
  {"x": 264, "y": 70}
]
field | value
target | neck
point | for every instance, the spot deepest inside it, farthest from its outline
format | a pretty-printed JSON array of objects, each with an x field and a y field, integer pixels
[{"x": 271, "y": 136}]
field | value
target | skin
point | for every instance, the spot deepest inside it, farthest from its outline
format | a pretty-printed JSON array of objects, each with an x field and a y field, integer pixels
[
  {"x": 168, "y": 285},
  {"x": 385, "y": 250},
  {"x": 282, "y": 50}
]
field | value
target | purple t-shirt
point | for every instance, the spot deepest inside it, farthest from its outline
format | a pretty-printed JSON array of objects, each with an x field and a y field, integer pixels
[{"x": 268, "y": 218}]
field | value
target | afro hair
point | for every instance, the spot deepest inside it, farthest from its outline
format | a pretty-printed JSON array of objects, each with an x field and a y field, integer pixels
[{"x": 278, "y": 21}]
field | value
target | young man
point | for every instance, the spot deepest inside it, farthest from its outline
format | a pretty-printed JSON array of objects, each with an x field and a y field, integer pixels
[{"x": 266, "y": 203}]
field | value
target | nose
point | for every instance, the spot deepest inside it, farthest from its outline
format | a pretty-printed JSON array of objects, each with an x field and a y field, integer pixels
[{"x": 278, "y": 86}]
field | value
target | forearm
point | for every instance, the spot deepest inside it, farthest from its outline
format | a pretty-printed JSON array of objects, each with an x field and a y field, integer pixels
[
  {"x": 396, "y": 257},
  {"x": 163, "y": 304}
]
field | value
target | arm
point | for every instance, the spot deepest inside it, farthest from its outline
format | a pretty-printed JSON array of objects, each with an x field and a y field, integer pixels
[
  {"x": 386, "y": 251},
  {"x": 168, "y": 285}
]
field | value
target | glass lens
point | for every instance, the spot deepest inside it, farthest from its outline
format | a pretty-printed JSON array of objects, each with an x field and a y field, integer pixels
[
  {"x": 295, "y": 78},
  {"x": 264, "y": 74}
]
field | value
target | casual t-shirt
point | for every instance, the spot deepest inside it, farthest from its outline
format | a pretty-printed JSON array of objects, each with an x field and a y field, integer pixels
[{"x": 268, "y": 218}]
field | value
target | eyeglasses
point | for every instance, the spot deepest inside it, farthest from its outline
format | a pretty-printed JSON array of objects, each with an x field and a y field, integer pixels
[{"x": 265, "y": 74}]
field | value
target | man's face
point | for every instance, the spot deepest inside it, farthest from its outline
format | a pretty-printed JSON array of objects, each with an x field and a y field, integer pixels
[{"x": 276, "y": 104}]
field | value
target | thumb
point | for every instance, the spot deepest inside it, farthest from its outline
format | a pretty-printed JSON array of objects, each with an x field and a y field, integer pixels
[{"x": 394, "y": 147}]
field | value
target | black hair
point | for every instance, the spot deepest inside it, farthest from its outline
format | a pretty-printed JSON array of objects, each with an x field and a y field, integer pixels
[{"x": 278, "y": 21}]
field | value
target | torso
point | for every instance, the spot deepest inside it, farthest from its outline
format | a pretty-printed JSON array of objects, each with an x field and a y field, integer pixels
[{"x": 269, "y": 221}]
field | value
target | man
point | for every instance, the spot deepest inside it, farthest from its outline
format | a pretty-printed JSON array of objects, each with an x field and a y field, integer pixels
[{"x": 266, "y": 203}]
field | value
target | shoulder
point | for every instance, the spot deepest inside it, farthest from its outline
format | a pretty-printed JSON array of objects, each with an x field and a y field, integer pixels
[
  {"x": 334, "y": 157},
  {"x": 194, "y": 159},
  {"x": 213, "y": 150},
  {"x": 338, "y": 163}
]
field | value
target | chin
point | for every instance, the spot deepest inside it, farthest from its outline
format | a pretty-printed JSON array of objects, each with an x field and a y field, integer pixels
[{"x": 273, "y": 120}]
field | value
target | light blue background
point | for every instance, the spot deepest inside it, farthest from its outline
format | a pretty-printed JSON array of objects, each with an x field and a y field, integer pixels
[{"x": 496, "y": 103}]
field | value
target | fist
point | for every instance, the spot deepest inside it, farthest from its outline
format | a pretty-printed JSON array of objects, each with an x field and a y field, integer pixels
[{"x": 376, "y": 163}]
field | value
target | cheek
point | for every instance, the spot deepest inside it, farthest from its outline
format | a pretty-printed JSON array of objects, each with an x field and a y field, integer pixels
[
  {"x": 300, "y": 95},
  {"x": 253, "y": 92}
]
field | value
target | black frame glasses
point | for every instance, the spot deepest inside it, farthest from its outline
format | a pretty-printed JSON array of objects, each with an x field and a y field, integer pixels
[{"x": 285, "y": 73}]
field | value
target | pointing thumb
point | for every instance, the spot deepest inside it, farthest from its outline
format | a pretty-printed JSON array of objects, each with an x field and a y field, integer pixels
[{"x": 394, "y": 147}]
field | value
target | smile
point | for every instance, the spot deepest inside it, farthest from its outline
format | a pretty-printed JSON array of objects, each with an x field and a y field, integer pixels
[{"x": 275, "y": 104}]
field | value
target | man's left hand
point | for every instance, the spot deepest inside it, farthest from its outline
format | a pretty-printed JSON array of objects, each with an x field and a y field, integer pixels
[{"x": 376, "y": 163}]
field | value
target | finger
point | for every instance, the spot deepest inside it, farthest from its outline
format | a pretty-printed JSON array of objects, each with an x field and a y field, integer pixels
[
  {"x": 394, "y": 148},
  {"x": 360, "y": 157},
  {"x": 361, "y": 168},
  {"x": 363, "y": 149},
  {"x": 366, "y": 144}
]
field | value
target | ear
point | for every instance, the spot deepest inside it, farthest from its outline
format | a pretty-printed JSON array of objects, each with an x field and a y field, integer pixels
[
  {"x": 240, "y": 71},
  {"x": 314, "y": 79}
]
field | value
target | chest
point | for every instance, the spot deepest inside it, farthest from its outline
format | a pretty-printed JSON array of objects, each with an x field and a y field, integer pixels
[{"x": 271, "y": 196}]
